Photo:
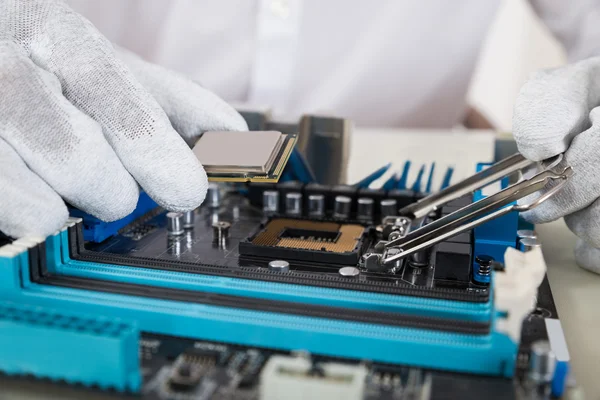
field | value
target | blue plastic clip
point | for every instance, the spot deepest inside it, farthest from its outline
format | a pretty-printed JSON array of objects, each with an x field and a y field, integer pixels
[
  {"x": 430, "y": 178},
  {"x": 96, "y": 230},
  {"x": 366, "y": 181},
  {"x": 417, "y": 185},
  {"x": 402, "y": 181}
]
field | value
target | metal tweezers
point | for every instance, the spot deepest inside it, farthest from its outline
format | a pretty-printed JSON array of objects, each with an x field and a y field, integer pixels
[{"x": 479, "y": 212}]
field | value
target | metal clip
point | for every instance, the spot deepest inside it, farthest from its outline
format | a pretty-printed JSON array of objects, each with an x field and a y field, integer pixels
[
  {"x": 503, "y": 168},
  {"x": 479, "y": 212}
]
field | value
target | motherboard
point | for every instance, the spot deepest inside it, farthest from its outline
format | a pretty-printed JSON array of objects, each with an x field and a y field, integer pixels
[
  {"x": 269, "y": 291},
  {"x": 291, "y": 311}
]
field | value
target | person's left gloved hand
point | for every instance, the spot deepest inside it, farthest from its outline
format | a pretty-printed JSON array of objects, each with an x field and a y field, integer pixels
[{"x": 558, "y": 111}]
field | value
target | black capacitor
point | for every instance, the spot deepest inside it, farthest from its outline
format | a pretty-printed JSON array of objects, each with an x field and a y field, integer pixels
[
  {"x": 342, "y": 207},
  {"x": 377, "y": 195},
  {"x": 288, "y": 187},
  {"x": 270, "y": 202},
  {"x": 293, "y": 204},
  {"x": 364, "y": 209},
  {"x": 343, "y": 190},
  {"x": 317, "y": 188},
  {"x": 404, "y": 197},
  {"x": 316, "y": 205},
  {"x": 389, "y": 207}
]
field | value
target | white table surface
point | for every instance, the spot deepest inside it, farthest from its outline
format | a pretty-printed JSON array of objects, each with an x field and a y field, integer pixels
[{"x": 576, "y": 291}]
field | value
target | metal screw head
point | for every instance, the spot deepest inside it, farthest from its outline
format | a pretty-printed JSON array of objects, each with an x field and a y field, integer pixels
[
  {"x": 485, "y": 264},
  {"x": 349, "y": 272},
  {"x": 484, "y": 260},
  {"x": 279, "y": 265},
  {"x": 394, "y": 235},
  {"x": 221, "y": 231}
]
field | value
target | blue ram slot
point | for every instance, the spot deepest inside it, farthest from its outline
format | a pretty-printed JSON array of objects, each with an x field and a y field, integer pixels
[
  {"x": 95, "y": 230},
  {"x": 491, "y": 354},
  {"x": 411, "y": 305},
  {"x": 52, "y": 344}
]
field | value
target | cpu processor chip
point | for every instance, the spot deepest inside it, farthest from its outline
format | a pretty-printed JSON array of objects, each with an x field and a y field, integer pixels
[
  {"x": 316, "y": 241},
  {"x": 255, "y": 156}
]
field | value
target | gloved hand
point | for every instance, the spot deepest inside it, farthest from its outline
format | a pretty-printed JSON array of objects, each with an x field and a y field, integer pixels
[
  {"x": 78, "y": 123},
  {"x": 559, "y": 111}
]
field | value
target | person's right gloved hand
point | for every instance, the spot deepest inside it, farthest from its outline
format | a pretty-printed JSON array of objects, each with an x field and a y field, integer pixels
[
  {"x": 79, "y": 124},
  {"x": 558, "y": 111}
]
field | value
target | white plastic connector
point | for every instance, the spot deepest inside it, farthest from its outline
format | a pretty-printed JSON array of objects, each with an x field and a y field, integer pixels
[
  {"x": 71, "y": 221},
  {"x": 516, "y": 287},
  {"x": 10, "y": 251},
  {"x": 28, "y": 242},
  {"x": 291, "y": 378}
]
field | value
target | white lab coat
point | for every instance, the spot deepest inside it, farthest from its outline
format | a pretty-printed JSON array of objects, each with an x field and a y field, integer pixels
[{"x": 382, "y": 63}]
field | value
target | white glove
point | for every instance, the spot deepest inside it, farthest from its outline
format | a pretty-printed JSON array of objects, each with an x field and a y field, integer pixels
[
  {"x": 558, "y": 111},
  {"x": 77, "y": 123}
]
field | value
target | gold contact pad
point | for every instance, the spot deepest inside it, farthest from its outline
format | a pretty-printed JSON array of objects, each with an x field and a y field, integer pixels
[{"x": 349, "y": 235}]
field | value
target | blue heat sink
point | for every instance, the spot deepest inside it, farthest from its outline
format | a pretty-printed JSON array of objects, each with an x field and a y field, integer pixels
[
  {"x": 494, "y": 237},
  {"x": 490, "y": 354},
  {"x": 59, "y": 345}
]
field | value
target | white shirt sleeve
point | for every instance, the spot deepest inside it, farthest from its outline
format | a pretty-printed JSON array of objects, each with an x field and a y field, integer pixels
[{"x": 575, "y": 23}]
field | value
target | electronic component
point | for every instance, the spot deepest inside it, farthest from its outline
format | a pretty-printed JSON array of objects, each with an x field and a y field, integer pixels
[
  {"x": 188, "y": 219},
  {"x": 316, "y": 205},
  {"x": 270, "y": 202},
  {"x": 349, "y": 271},
  {"x": 213, "y": 196},
  {"x": 341, "y": 207},
  {"x": 190, "y": 368},
  {"x": 293, "y": 378},
  {"x": 244, "y": 156},
  {"x": 307, "y": 289},
  {"x": 174, "y": 223},
  {"x": 389, "y": 207},
  {"x": 279, "y": 265},
  {"x": 293, "y": 204},
  {"x": 298, "y": 239},
  {"x": 221, "y": 231},
  {"x": 482, "y": 273},
  {"x": 365, "y": 209},
  {"x": 542, "y": 362}
]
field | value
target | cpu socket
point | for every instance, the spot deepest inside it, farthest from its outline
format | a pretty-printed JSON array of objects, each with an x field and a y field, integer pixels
[{"x": 305, "y": 240}]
